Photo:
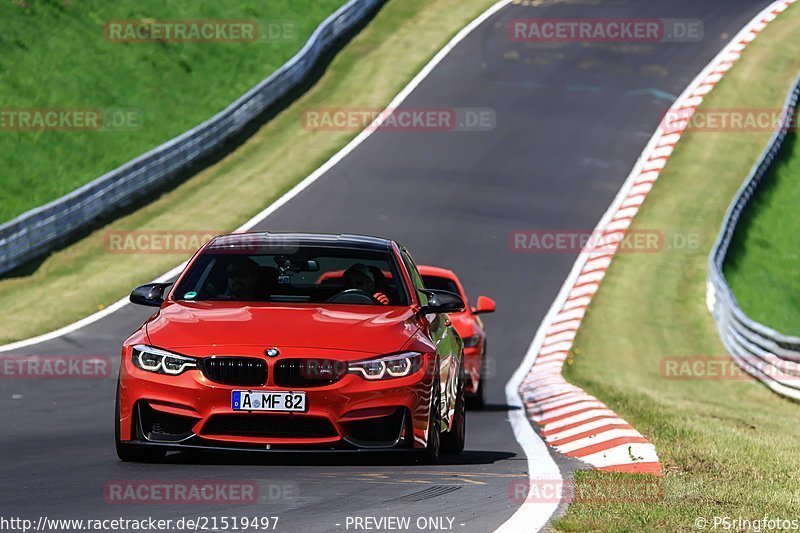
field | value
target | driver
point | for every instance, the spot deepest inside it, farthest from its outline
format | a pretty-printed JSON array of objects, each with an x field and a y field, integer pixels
[
  {"x": 359, "y": 277},
  {"x": 242, "y": 274}
]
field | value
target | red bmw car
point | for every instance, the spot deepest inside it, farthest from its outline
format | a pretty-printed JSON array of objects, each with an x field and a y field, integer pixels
[
  {"x": 251, "y": 350},
  {"x": 468, "y": 325}
]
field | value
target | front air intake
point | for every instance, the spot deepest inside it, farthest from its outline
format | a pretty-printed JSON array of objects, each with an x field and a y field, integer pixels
[{"x": 269, "y": 426}]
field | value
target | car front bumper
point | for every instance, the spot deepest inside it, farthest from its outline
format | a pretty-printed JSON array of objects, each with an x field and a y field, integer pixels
[{"x": 189, "y": 411}]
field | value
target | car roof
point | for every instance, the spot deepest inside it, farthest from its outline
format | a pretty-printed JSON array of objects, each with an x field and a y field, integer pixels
[
  {"x": 281, "y": 239},
  {"x": 427, "y": 270}
]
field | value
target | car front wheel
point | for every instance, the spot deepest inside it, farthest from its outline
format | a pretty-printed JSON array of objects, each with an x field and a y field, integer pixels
[
  {"x": 430, "y": 455},
  {"x": 453, "y": 441}
]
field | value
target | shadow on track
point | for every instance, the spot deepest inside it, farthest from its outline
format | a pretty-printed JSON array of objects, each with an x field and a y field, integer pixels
[
  {"x": 468, "y": 457},
  {"x": 496, "y": 408}
]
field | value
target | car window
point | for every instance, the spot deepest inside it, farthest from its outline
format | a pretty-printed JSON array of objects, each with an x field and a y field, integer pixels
[
  {"x": 416, "y": 279},
  {"x": 307, "y": 275}
]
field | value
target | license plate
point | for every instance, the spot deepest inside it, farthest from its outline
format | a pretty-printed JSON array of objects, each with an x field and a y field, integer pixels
[{"x": 242, "y": 400}]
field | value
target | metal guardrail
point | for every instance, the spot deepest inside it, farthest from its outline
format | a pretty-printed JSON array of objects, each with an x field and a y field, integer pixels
[
  {"x": 766, "y": 354},
  {"x": 40, "y": 230}
]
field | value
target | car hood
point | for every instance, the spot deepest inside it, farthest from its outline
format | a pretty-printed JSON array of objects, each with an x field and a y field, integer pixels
[{"x": 369, "y": 329}]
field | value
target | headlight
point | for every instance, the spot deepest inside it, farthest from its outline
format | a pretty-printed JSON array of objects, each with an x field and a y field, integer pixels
[
  {"x": 161, "y": 361},
  {"x": 471, "y": 342},
  {"x": 387, "y": 367}
]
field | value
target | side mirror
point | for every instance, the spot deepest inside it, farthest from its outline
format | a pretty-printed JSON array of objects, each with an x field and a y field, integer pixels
[
  {"x": 442, "y": 302},
  {"x": 151, "y": 294},
  {"x": 485, "y": 305}
]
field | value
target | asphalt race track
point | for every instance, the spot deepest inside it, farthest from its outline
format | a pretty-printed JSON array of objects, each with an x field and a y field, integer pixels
[{"x": 571, "y": 120}]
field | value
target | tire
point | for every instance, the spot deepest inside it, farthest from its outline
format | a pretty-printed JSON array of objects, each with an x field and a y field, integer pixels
[
  {"x": 430, "y": 455},
  {"x": 453, "y": 441},
  {"x": 131, "y": 453}
]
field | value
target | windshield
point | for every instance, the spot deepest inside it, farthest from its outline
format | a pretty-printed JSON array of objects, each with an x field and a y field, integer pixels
[{"x": 307, "y": 275}]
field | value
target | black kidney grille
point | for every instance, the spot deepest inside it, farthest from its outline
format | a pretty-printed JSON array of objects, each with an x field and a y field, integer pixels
[
  {"x": 308, "y": 372},
  {"x": 245, "y": 371}
]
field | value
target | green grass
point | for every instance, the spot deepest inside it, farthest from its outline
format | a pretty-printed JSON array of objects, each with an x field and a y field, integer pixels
[
  {"x": 729, "y": 447},
  {"x": 54, "y": 55},
  {"x": 367, "y": 73},
  {"x": 763, "y": 264}
]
